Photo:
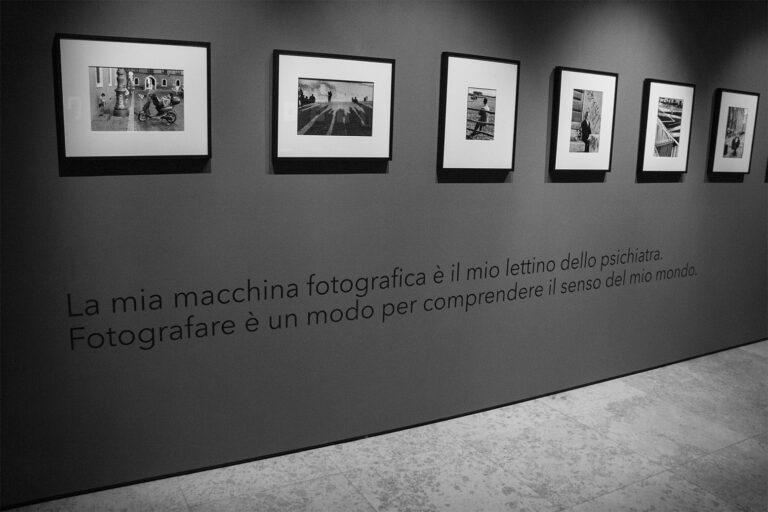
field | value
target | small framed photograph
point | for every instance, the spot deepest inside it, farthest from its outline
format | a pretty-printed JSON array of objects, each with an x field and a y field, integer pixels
[
  {"x": 733, "y": 131},
  {"x": 132, "y": 98},
  {"x": 331, "y": 106},
  {"x": 665, "y": 126},
  {"x": 478, "y": 113},
  {"x": 583, "y": 112}
]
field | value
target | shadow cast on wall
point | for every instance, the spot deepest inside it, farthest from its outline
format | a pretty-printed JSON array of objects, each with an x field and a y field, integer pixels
[
  {"x": 329, "y": 166},
  {"x": 133, "y": 166}
]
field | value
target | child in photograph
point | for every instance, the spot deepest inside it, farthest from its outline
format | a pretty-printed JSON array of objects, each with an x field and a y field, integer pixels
[{"x": 102, "y": 104}]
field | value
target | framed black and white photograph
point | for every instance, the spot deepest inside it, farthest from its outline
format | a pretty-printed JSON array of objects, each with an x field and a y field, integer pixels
[
  {"x": 665, "y": 130},
  {"x": 331, "y": 106},
  {"x": 584, "y": 108},
  {"x": 478, "y": 113},
  {"x": 132, "y": 98},
  {"x": 733, "y": 131}
]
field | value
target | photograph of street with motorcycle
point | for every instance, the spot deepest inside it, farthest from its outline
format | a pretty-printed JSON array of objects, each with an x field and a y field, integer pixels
[{"x": 136, "y": 99}]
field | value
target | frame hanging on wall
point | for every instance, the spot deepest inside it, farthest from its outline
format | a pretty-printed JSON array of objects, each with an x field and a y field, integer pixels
[
  {"x": 331, "y": 107},
  {"x": 665, "y": 131},
  {"x": 121, "y": 98},
  {"x": 584, "y": 108},
  {"x": 733, "y": 131},
  {"x": 478, "y": 113}
]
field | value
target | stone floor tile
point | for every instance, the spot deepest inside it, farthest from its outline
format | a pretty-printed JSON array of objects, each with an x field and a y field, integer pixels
[
  {"x": 452, "y": 480},
  {"x": 732, "y": 402},
  {"x": 733, "y": 369},
  {"x": 559, "y": 458},
  {"x": 251, "y": 477},
  {"x": 760, "y": 349},
  {"x": 496, "y": 422},
  {"x": 597, "y": 396},
  {"x": 664, "y": 492},
  {"x": 737, "y": 474},
  {"x": 327, "y": 494},
  {"x": 361, "y": 453},
  {"x": 159, "y": 496},
  {"x": 663, "y": 432}
]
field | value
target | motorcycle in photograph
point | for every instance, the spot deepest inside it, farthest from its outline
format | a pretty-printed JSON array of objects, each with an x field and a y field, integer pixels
[{"x": 165, "y": 111}]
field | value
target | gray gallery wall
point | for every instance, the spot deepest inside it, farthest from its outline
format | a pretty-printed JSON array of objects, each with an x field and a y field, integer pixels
[{"x": 84, "y": 419}]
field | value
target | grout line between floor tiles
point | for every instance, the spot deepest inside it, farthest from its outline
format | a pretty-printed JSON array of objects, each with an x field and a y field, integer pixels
[
  {"x": 557, "y": 507},
  {"x": 493, "y": 462},
  {"x": 685, "y": 408},
  {"x": 267, "y": 489},
  {"x": 607, "y": 437},
  {"x": 183, "y": 496},
  {"x": 664, "y": 468},
  {"x": 708, "y": 454},
  {"x": 358, "y": 490},
  {"x": 270, "y": 489},
  {"x": 735, "y": 507},
  {"x": 487, "y": 459},
  {"x": 706, "y": 491},
  {"x": 334, "y": 464}
]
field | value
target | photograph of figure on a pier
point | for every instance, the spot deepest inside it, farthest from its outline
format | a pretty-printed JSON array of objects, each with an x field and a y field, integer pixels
[
  {"x": 481, "y": 113},
  {"x": 585, "y": 121},
  {"x": 335, "y": 107},
  {"x": 136, "y": 99},
  {"x": 668, "y": 121},
  {"x": 735, "y": 132}
]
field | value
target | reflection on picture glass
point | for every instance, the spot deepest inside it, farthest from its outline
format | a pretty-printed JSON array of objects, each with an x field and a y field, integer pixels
[{"x": 335, "y": 107}]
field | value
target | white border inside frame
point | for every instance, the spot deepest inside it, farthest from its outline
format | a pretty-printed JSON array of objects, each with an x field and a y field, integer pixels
[
  {"x": 77, "y": 55},
  {"x": 292, "y": 145},
  {"x": 601, "y": 159},
  {"x": 460, "y": 152},
  {"x": 652, "y": 162},
  {"x": 738, "y": 165}
]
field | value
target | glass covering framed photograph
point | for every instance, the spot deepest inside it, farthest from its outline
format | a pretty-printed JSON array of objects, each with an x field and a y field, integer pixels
[
  {"x": 665, "y": 130},
  {"x": 123, "y": 98},
  {"x": 331, "y": 106},
  {"x": 583, "y": 112},
  {"x": 478, "y": 113},
  {"x": 733, "y": 131}
]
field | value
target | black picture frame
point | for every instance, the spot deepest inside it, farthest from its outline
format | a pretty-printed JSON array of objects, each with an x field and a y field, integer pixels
[
  {"x": 312, "y": 134},
  {"x": 108, "y": 135},
  {"x": 664, "y": 145},
  {"x": 466, "y": 149},
  {"x": 566, "y": 157},
  {"x": 732, "y": 107}
]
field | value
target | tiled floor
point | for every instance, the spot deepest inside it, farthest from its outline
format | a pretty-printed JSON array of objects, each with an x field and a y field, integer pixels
[{"x": 688, "y": 437}]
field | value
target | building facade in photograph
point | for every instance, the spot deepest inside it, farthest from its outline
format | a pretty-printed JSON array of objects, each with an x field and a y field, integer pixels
[
  {"x": 151, "y": 79},
  {"x": 104, "y": 79}
]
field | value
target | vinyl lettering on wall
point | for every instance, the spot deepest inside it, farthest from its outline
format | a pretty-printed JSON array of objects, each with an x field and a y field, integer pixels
[{"x": 398, "y": 293}]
